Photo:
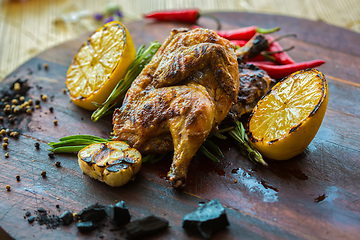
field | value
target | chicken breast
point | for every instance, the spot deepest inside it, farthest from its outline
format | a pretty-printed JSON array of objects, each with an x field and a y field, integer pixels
[{"x": 180, "y": 97}]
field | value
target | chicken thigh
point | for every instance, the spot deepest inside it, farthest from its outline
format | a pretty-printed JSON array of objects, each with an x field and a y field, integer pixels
[{"x": 181, "y": 96}]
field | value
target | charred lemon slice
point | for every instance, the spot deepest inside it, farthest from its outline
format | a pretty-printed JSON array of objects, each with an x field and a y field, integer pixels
[
  {"x": 114, "y": 163},
  {"x": 287, "y": 118},
  {"x": 99, "y": 65}
]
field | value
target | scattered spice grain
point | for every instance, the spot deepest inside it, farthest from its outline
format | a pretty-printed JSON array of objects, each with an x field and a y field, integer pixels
[
  {"x": 7, "y": 155},
  {"x": 8, "y": 187},
  {"x": 4, "y": 146},
  {"x": 55, "y": 122},
  {"x": 51, "y": 154},
  {"x": 43, "y": 174},
  {"x": 17, "y": 178},
  {"x": 46, "y": 66},
  {"x": 37, "y": 145},
  {"x": 6, "y": 139},
  {"x": 17, "y": 86},
  {"x": 14, "y": 134},
  {"x": 51, "y": 109},
  {"x": 44, "y": 98},
  {"x": 58, "y": 164}
]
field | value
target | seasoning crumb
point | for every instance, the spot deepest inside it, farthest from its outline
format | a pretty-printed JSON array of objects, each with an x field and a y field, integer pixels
[
  {"x": 4, "y": 146},
  {"x": 8, "y": 188},
  {"x": 7, "y": 155},
  {"x": 64, "y": 90},
  {"x": 37, "y": 145},
  {"x": 44, "y": 98},
  {"x": 235, "y": 181},
  {"x": 6, "y": 139},
  {"x": 3, "y": 132},
  {"x": 28, "y": 214},
  {"x": 46, "y": 66},
  {"x": 37, "y": 106},
  {"x": 51, "y": 109},
  {"x": 58, "y": 164},
  {"x": 14, "y": 134},
  {"x": 28, "y": 111},
  {"x": 43, "y": 174},
  {"x": 57, "y": 206},
  {"x": 30, "y": 101},
  {"x": 37, "y": 101},
  {"x": 55, "y": 122},
  {"x": 17, "y": 178},
  {"x": 17, "y": 86},
  {"x": 51, "y": 154}
]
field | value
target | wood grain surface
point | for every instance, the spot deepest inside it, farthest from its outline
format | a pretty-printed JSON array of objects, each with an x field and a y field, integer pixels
[{"x": 316, "y": 195}]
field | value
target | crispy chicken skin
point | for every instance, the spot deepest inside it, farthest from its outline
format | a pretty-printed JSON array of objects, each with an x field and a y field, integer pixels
[
  {"x": 179, "y": 98},
  {"x": 254, "y": 83}
]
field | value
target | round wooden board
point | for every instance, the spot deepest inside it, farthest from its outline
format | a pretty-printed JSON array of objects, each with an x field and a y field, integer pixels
[{"x": 313, "y": 196}]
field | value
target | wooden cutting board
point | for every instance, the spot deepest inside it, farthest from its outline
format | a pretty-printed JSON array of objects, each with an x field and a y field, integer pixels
[{"x": 316, "y": 195}]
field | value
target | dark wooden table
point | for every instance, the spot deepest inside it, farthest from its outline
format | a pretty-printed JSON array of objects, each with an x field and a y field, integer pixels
[{"x": 316, "y": 195}]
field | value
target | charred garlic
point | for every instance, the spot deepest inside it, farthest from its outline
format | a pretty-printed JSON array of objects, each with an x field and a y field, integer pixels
[{"x": 114, "y": 162}]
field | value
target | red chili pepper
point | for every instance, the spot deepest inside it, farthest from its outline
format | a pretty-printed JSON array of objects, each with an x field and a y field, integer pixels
[
  {"x": 238, "y": 43},
  {"x": 189, "y": 15},
  {"x": 244, "y": 33},
  {"x": 261, "y": 62},
  {"x": 280, "y": 56},
  {"x": 281, "y": 71}
]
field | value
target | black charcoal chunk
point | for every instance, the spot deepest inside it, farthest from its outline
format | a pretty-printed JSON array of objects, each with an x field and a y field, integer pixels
[
  {"x": 118, "y": 213},
  {"x": 66, "y": 218},
  {"x": 87, "y": 226},
  {"x": 145, "y": 227},
  {"x": 31, "y": 219},
  {"x": 95, "y": 213},
  {"x": 207, "y": 219},
  {"x": 41, "y": 210}
]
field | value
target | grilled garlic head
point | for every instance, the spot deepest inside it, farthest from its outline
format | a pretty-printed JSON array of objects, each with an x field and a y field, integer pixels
[{"x": 114, "y": 163}]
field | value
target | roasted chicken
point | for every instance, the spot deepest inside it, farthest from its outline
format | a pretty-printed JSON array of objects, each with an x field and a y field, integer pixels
[
  {"x": 182, "y": 95},
  {"x": 254, "y": 83}
]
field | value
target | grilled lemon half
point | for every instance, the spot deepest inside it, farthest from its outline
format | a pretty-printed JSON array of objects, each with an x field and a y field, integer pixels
[
  {"x": 287, "y": 118},
  {"x": 100, "y": 63}
]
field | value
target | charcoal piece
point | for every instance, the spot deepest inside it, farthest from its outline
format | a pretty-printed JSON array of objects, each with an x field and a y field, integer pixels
[
  {"x": 41, "y": 210},
  {"x": 118, "y": 213},
  {"x": 87, "y": 226},
  {"x": 66, "y": 218},
  {"x": 95, "y": 213},
  {"x": 145, "y": 227},
  {"x": 28, "y": 214},
  {"x": 207, "y": 219},
  {"x": 31, "y": 219}
]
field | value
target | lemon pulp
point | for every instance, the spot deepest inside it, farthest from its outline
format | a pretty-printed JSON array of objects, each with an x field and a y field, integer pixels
[
  {"x": 287, "y": 118},
  {"x": 99, "y": 64}
]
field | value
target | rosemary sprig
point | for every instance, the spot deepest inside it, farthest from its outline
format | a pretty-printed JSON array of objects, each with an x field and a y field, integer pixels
[
  {"x": 238, "y": 133},
  {"x": 75, "y": 143},
  {"x": 143, "y": 57}
]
